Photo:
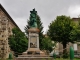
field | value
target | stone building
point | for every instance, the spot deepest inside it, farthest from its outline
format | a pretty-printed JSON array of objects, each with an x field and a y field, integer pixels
[{"x": 6, "y": 26}]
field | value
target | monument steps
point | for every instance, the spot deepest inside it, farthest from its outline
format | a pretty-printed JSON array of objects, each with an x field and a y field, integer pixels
[{"x": 34, "y": 58}]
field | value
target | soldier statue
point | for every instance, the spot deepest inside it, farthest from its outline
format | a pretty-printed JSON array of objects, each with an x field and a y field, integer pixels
[{"x": 33, "y": 19}]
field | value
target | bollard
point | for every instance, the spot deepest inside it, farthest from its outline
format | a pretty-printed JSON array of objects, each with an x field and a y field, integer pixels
[
  {"x": 54, "y": 55},
  {"x": 71, "y": 53},
  {"x": 10, "y": 56}
]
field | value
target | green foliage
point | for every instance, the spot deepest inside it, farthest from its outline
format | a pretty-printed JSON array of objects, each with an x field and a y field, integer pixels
[
  {"x": 47, "y": 44},
  {"x": 60, "y": 29},
  {"x": 66, "y": 55},
  {"x": 40, "y": 27},
  {"x": 18, "y": 41},
  {"x": 75, "y": 34}
]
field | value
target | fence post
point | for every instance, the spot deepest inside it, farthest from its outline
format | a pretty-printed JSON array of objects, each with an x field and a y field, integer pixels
[
  {"x": 10, "y": 56},
  {"x": 54, "y": 55},
  {"x": 71, "y": 53}
]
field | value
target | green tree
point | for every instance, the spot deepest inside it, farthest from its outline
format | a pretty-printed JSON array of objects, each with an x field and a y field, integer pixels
[
  {"x": 60, "y": 29},
  {"x": 75, "y": 34},
  {"x": 78, "y": 32},
  {"x": 47, "y": 44},
  {"x": 39, "y": 26},
  {"x": 18, "y": 41}
]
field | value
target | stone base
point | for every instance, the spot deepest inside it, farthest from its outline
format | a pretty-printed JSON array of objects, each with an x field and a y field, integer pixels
[
  {"x": 33, "y": 51},
  {"x": 33, "y": 54},
  {"x": 34, "y": 58}
]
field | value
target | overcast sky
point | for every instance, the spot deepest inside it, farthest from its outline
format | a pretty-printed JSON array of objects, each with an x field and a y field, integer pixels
[{"x": 19, "y": 10}]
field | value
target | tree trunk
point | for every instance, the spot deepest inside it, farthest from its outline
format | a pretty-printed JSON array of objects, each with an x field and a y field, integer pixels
[{"x": 64, "y": 48}]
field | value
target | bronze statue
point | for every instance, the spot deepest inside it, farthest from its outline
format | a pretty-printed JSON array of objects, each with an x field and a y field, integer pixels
[{"x": 33, "y": 17}]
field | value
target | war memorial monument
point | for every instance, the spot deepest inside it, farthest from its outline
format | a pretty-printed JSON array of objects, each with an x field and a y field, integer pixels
[{"x": 33, "y": 52}]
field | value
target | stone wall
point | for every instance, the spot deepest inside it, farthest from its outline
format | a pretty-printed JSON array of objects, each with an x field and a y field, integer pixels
[
  {"x": 6, "y": 26},
  {"x": 68, "y": 47}
]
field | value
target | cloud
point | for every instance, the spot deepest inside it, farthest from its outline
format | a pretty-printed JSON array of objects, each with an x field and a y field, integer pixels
[
  {"x": 21, "y": 22},
  {"x": 19, "y": 10},
  {"x": 74, "y": 11}
]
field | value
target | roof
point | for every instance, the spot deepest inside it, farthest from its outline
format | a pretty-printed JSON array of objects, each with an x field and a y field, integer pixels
[
  {"x": 8, "y": 15},
  {"x": 76, "y": 19}
]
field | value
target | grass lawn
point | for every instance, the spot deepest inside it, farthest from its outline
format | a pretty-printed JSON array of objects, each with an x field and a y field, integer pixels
[
  {"x": 51, "y": 59},
  {"x": 66, "y": 59}
]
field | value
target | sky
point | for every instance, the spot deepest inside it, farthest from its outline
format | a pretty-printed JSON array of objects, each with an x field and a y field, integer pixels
[{"x": 48, "y": 10}]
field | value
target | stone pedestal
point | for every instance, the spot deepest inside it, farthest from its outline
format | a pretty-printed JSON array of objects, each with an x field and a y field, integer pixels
[
  {"x": 33, "y": 38},
  {"x": 33, "y": 52},
  {"x": 33, "y": 44}
]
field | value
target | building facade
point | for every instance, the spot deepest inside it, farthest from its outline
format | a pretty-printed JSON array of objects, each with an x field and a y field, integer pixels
[{"x": 6, "y": 26}]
